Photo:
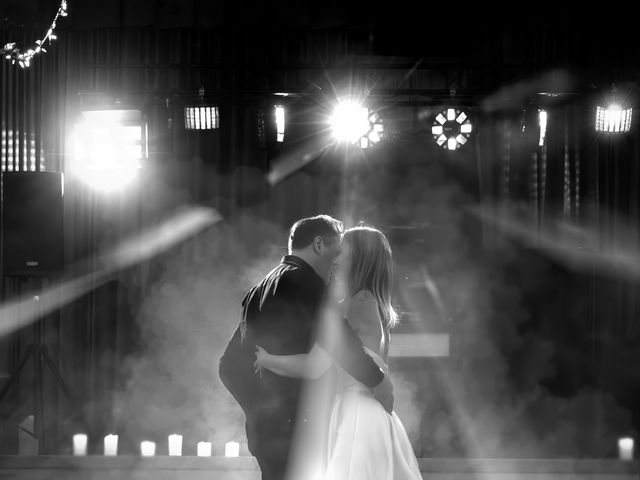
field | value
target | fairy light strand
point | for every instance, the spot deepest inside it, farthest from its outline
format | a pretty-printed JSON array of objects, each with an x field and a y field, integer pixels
[{"x": 23, "y": 58}]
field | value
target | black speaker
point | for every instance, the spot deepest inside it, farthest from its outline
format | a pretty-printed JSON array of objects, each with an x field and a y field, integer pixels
[{"x": 32, "y": 223}]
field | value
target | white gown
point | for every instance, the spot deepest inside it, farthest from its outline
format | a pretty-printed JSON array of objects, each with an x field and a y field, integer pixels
[{"x": 364, "y": 441}]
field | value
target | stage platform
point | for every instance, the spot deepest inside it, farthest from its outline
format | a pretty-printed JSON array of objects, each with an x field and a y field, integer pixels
[{"x": 244, "y": 468}]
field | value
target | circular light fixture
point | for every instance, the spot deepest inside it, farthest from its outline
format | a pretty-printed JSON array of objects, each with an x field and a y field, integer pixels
[
  {"x": 375, "y": 132},
  {"x": 451, "y": 128}
]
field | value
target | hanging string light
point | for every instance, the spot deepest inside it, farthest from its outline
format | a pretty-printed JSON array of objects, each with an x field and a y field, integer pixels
[{"x": 12, "y": 52}]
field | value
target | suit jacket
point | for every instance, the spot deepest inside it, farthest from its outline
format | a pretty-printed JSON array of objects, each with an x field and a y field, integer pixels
[{"x": 282, "y": 314}]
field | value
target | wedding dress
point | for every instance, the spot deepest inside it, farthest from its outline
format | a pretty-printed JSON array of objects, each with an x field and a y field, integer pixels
[{"x": 364, "y": 441}]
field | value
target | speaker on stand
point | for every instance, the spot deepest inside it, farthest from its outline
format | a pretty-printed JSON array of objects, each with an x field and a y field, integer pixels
[{"x": 32, "y": 251}]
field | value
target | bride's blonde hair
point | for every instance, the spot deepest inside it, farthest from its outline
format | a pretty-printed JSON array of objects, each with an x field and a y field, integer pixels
[{"x": 371, "y": 268}]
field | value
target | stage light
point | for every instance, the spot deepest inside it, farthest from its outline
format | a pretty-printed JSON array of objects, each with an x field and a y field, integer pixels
[
  {"x": 200, "y": 117},
  {"x": 8, "y": 153},
  {"x": 451, "y": 128},
  {"x": 280, "y": 123},
  {"x": 271, "y": 123},
  {"x": 613, "y": 119},
  {"x": 349, "y": 121},
  {"x": 542, "y": 121},
  {"x": 375, "y": 131},
  {"x": 109, "y": 147}
]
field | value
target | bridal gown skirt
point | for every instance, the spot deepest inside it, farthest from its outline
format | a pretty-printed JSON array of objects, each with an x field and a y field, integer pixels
[{"x": 367, "y": 443}]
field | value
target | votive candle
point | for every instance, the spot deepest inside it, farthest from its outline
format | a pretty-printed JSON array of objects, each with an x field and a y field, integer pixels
[
  {"x": 625, "y": 448},
  {"x": 111, "y": 445},
  {"x": 175, "y": 445},
  {"x": 147, "y": 449},
  {"x": 204, "y": 449},
  {"x": 232, "y": 449},
  {"x": 80, "y": 444}
]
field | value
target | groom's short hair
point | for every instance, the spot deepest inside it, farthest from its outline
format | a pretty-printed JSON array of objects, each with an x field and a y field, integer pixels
[{"x": 305, "y": 230}]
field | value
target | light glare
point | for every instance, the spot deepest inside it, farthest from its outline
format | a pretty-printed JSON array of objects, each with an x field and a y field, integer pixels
[
  {"x": 350, "y": 121},
  {"x": 542, "y": 116},
  {"x": 201, "y": 118},
  {"x": 107, "y": 154},
  {"x": 280, "y": 123},
  {"x": 613, "y": 119}
]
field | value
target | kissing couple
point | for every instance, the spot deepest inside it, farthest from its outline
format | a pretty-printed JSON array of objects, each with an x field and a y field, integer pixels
[{"x": 321, "y": 320}]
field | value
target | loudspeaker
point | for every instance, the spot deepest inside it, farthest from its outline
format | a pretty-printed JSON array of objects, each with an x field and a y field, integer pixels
[{"x": 32, "y": 240}]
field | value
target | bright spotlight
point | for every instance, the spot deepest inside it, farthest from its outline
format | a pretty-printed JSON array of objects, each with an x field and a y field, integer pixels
[
  {"x": 200, "y": 117},
  {"x": 350, "y": 121},
  {"x": 451, "y": 128},
  {"x": 542, "y": 120},
  {"x": 271, "y": 125},
  {"x": 280, "y": 123},
  {"x": 109, "y": 147},
  {"x": 614, "y": 119},
  {"x": 9, "y": 155}
]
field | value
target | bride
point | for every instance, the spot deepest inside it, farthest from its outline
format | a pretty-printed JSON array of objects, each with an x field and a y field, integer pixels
[{"x": 364, "y": 441}]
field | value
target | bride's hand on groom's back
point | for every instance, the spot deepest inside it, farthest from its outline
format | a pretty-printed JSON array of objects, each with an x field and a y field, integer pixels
[
  {"x": 261, "y": 359},
  {"x": 383, "y": 392}
]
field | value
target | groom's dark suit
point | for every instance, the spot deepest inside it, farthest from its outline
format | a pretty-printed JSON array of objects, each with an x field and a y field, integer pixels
[{"x": 281, "y": 314}]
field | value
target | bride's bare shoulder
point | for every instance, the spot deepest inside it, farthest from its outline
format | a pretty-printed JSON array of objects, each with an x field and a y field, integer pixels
[{"x": 362, "y": 309}]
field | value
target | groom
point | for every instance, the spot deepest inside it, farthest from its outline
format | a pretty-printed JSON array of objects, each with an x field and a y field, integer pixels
[{"x": 281, "y": 314}]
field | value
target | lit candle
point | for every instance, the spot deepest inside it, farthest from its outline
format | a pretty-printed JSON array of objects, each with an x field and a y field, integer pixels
[
  {"x": 232, "y": 449},
  {"x": 204, "y": 449},
  {"x": 111, "y": 445},
  {"x": 175, "y": 445},
  {"x": 147, "y": 449},
  {"x": 625, "y": 448},
  {"x": 80, "y": 444}
]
